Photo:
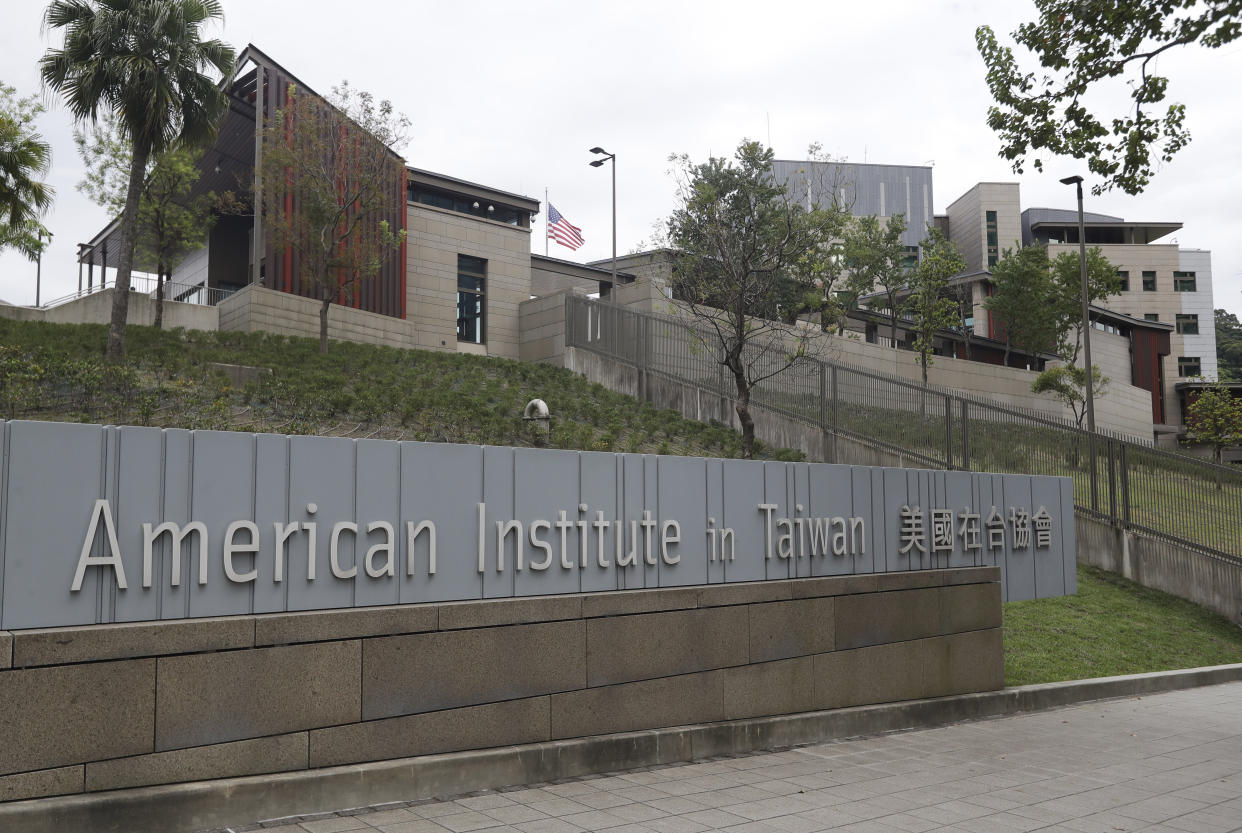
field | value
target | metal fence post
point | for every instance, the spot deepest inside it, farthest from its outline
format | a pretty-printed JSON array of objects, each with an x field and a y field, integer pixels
[
  {"x": 823, "y": 410},
  {"x": 836, "y": 419},
  {"x": 1125, "y": 489},
  {"x": 823, "y": 397},
  {"x": 965, "y": 435},
  {"x": 1095, "y": 478},
  {"x": 947, "y": 404},
  {"x": 1112, "y": 483}
]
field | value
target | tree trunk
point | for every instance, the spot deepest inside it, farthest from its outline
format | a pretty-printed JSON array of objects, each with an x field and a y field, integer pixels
[
  {"x": 1005, "y": 361},
  {"x": 159, "y": 296},
  {"x": 323, "y": 324},
  {"x": 923, "y": 392},
  {"x": 742, "y": 406},
  {"x": 129, "y": 229},
  {"x": 748, "y": 425},
  {"x": 892, "y": 333}
]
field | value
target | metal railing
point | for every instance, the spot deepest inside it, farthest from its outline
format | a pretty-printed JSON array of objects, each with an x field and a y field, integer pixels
[
  {"x": 184, "y": 293},
  {"x": 1118, "y": 478}
]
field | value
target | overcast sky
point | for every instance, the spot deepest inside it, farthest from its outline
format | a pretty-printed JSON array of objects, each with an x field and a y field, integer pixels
[{"x": 512, "y": 95}]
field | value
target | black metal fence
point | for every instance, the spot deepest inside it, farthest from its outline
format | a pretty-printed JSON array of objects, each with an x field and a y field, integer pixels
[{"x": 1121, "y": 479}]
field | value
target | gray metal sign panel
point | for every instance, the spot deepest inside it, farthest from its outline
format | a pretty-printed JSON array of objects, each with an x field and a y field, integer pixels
[{"x": 125, "y": 524}]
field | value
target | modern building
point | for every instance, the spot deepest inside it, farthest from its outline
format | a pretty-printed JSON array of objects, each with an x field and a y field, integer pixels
[
  {"x": 455, "y": 284},
  {"x": 1165, "y": 304},
  {"x": 865, "y": 189}
]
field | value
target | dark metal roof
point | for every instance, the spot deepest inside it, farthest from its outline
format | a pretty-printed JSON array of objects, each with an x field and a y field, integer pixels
[
  {"x": 474, "y": 189},
  {"x": 568, "y": 267}
]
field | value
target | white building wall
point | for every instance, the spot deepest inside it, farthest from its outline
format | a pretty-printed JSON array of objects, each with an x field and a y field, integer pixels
[
  {"x": 192, "y": 270},
  {"x": 1199, "y": 303}
]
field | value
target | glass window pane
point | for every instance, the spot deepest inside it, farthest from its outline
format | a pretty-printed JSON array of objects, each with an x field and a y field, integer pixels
[{"x": 475, "y": 265}]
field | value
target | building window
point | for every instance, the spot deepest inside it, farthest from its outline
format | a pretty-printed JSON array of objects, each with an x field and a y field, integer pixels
[
  {"x": 471, "y": 298},
  {"x": 1188, "y": 366},
  {"x": 1183, "y": 281},
  {"x": 1188, "y": 325},
  {"x": 1151, "y": 316},
  {"x": 993, "y": 244},
  {"x": 1149, "y": 281},
  {"x": 910, "y": 259},
  {"x": 1123, "y": 278}
]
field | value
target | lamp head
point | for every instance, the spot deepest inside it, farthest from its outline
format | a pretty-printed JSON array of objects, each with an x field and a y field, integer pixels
[
  {"x": 598, "y": 150},
  {"x": 597, "y": 163},
  {"x": 1071, "y": 180}
]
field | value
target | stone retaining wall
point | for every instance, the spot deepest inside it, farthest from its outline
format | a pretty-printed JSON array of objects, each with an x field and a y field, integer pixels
[
  {"x": 113, "y": 706},
  {"x": 1207, "y": 580}
]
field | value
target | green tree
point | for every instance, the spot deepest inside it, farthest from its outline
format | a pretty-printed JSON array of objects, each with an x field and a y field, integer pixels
[
  {"x": 1039, "y": 302},
  {"x": 742, "y": 248},
  {"x": 1022, "y": 288},
  {"x": 1080, "y": 47},
  {"x": 928, "y": 303},
  {"x": 24, "y": 160},
  {"x": 1068, "y": 382},
  {"x": 145, "y": 60},
  {"x": 1102, "y": 281},
  {"x": 172, "y": 221},
  {"x": 106, "y": 160},
  {"x": 338, "y": 184},
  {"x": 876, "y": 258},
  {"x": 1228, "y": 346},
  {"x": 1214, "y": 417}
]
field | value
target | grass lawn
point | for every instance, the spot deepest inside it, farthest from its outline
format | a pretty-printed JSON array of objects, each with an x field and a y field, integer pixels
[
  {"x": 1112, "y": 626},
  {"x": 56, "y": 372}
]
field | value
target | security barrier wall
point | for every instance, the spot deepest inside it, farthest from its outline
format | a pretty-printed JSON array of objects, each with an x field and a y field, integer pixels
[{"x": 107, "y": 707}]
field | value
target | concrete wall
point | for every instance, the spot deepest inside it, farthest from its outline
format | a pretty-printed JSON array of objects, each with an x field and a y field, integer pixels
[
  {"x": 435, "y": 239},
  {"x": 115, "y": 706},
  {"x": 541, "y": 322},
  {"x": 1214, "y": 583},
  {"x": 1123, "y": 408},
  {"x": 255, "y": 308},
  {"x": 96, "y": 308},
  {"x": 968, "y": 221}
]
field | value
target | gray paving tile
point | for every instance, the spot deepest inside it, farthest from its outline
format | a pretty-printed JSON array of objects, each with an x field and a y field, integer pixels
[{"x": 1168, "y": 763}]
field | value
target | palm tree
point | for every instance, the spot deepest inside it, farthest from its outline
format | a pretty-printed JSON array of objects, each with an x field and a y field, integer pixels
[
  {"x": 145, "y": 61},
  {"x": 24, "y": 158}
]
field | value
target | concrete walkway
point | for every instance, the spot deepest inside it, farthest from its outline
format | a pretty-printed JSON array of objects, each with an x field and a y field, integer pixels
[{"x": 1165, "y": 762}]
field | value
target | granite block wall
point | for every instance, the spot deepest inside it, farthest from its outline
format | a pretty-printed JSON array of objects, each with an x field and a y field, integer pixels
[{"x": 108, "y": 707}]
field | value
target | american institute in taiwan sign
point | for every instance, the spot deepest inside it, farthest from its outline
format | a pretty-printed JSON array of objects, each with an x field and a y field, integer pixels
[{"x": 122, "y": 524}]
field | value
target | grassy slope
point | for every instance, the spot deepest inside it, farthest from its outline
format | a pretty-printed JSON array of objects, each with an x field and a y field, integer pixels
[
  {"x": 1112, "y": 626},
  {"x": 354, "y": 390}
]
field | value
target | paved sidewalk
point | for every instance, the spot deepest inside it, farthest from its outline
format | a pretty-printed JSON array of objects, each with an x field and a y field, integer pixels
[{"x": 1166, "y": 762}]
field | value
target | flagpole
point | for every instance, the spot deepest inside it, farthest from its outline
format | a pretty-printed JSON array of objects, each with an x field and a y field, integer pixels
[{"x": 545, "y": 221}]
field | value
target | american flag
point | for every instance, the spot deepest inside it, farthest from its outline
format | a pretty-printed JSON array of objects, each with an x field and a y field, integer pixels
[{"x": 561, "y": 230}]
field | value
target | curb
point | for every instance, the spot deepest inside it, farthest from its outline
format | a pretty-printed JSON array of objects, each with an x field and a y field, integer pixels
[{"x": 207, "y": 804}]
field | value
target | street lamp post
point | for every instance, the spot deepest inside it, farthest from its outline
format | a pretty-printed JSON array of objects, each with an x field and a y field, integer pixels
[
  {"x": 1086, "y": 330},
  {"x": 595, "y": 164},
  {"x": 39, "y": 264}
]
